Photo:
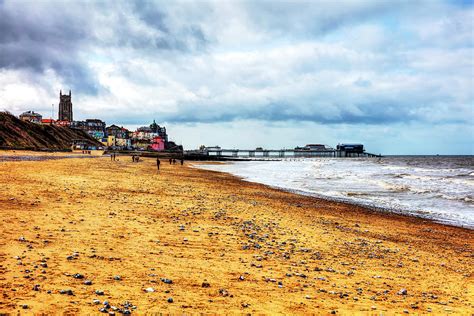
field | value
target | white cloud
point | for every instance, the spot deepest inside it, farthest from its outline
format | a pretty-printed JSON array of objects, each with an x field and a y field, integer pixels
[{"x": 344, "y": 63}]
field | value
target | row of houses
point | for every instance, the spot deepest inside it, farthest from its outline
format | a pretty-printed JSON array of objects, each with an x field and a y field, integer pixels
[{"x": 152, "y": 137}]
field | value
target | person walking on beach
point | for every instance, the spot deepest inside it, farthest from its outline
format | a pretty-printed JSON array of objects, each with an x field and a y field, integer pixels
[
  {"x": 171, "y": 161},
  {"x": 158, "y": 162},
  {"x": 182, "y": 161}
]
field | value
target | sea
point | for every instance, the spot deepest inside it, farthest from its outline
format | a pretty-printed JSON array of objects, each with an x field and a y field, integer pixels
[{"x": 440, "y": 188}]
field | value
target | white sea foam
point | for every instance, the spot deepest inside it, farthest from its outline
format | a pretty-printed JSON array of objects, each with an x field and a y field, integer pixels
[{"x": 441, "y": 188}]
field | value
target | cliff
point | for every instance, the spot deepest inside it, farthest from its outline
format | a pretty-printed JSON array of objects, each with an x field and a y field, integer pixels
[{"x": 17, "y": 134}]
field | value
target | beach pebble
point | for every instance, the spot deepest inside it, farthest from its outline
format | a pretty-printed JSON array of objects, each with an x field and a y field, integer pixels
[
  {"x": 66, "y": 292},
  {"x": 99, "y": 292},
  {"x": 96, "y": 302},
  {"x": 24, "y": 306},
  {"x": 241, "y": 278},
  {"x": 205, "y": 284},
  {"x": 170, "y": 300},
  {"x": 117, "y": 278},
  {"x": 78, "y": 276},
  {"x": 36, "y": 287},
  {"x": 87, "y": 282},
  {"x": 223, "y": 292},
  {"x": 167, "y": 281},
  {"x": 402, "y": 292},
  {"x": 149, "y": 290}
]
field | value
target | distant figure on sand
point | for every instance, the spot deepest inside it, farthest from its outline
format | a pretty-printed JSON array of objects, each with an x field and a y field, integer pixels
[
  {"x": 171, "y": 161},
  {"x": 182, "y": 161},
  {"x": 174, "y": 161},
  {"x": 112, "y": 156},
  {"x": 158, "y": 162}
]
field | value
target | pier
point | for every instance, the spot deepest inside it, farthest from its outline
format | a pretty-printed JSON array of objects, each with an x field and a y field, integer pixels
[{"x": 217, "y": 152}]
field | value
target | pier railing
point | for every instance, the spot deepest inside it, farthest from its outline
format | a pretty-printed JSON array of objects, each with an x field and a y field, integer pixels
[{"x": 281, "y": 153}]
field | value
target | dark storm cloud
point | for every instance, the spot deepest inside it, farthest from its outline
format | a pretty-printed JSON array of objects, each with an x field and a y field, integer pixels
[
  {"x": 186, "y": 37},
  {"x": 381, "y": 112},
  {"x": 42, "y": 39},
  {"x": 58, "y": 36}
]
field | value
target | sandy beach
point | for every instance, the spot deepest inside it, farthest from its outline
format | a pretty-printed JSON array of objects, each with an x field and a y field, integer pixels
[{"x": 185, "y": 240}]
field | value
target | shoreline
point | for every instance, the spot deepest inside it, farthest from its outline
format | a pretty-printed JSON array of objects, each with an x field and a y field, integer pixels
[
  {"x": 229, "y": 246},
  {"x": 372, "y": 207},
  {"x": 377, "y": 210}
]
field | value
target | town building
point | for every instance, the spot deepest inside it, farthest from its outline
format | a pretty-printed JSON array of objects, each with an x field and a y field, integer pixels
[
  {"x": 124, "y": 143},
  {"x": 118, "y": 132},
  {"x": 142, "y": 133},
  {"x": 117, "y": 137},
  {"x": 65, "y": 107},
  {"x": 31, "y": 116},
  {"x": 49, "y": 121},
  {"x": 117, "y": 143},
  {"x": 157, "y": 144},
  {"x": 152, "y": 137},
  {"x": 63, "y": 123},
  {"x": 94, "y": 127},
  {"x": 149, "y": 132},
  {"x": 158, "y": 130}
]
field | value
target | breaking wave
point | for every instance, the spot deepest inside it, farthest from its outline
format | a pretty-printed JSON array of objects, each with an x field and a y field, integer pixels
[{"x": 440, "y": 188}]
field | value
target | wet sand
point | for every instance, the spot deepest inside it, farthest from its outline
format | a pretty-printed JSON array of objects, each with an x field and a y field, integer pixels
[{"x": 228, "y": 246}]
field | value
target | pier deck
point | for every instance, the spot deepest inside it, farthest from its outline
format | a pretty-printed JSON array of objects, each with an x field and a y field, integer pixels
[{"x": 283, "y": 153}]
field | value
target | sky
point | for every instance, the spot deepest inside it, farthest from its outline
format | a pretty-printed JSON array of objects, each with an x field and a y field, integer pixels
[{"x": 397, "y": 76}]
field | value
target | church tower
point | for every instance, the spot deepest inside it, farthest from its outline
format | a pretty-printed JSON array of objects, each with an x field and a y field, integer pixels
[{"x": 65, "y": 107}]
